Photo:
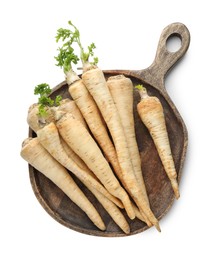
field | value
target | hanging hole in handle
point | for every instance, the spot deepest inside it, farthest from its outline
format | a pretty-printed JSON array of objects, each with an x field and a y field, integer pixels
[{"x": 173, "y": 43}]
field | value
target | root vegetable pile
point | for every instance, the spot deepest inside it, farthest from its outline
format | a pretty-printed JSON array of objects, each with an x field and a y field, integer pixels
[{"x": 92, "y": 135}]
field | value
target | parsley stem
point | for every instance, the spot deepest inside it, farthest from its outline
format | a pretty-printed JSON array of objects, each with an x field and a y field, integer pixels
[{"x": 71, "y": 77}]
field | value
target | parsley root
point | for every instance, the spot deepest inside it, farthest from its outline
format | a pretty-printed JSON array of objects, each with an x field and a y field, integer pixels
[{"x": 151, "y": 113}]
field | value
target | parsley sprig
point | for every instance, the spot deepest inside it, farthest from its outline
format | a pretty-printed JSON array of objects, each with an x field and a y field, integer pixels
[
  {"x": 66, "y": 56},
  {"x": 44, "y": 100}
]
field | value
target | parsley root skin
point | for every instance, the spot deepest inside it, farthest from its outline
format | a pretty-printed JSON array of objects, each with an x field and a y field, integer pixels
[
  {"x": 151, "y": 113},
  {"x": 70, "y": 106}
]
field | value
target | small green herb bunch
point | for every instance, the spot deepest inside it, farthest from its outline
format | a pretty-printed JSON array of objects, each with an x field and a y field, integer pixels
[
  {"x": 66, "y": 55},
  {"x": 44, "y": 100}
]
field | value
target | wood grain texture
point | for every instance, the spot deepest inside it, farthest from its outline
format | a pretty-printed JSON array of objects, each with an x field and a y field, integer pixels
[{"x": 158, "y": 186}]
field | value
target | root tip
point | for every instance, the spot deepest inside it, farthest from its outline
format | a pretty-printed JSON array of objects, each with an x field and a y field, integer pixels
[
  {"x": 177, "y": 195},
  {"x": 175, "y": 188},
  {"x": 158, "y": 227}
]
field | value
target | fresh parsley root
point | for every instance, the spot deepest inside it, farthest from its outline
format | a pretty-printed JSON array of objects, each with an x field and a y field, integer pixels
[{"x": 152, "y": 115}]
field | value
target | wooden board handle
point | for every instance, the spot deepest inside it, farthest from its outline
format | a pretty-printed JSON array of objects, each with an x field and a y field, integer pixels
[{"x": 165, "y": 59}]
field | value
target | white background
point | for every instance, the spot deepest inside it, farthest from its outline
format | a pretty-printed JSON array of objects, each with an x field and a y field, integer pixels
[{"x": 126, "y": 34}]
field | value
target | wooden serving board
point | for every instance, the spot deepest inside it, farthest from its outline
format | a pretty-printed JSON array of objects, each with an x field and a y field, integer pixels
[{"x": 160, "y": 193}]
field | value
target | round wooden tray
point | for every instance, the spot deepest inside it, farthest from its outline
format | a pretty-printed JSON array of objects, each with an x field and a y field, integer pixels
[{"x": 160, "y": 193}]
